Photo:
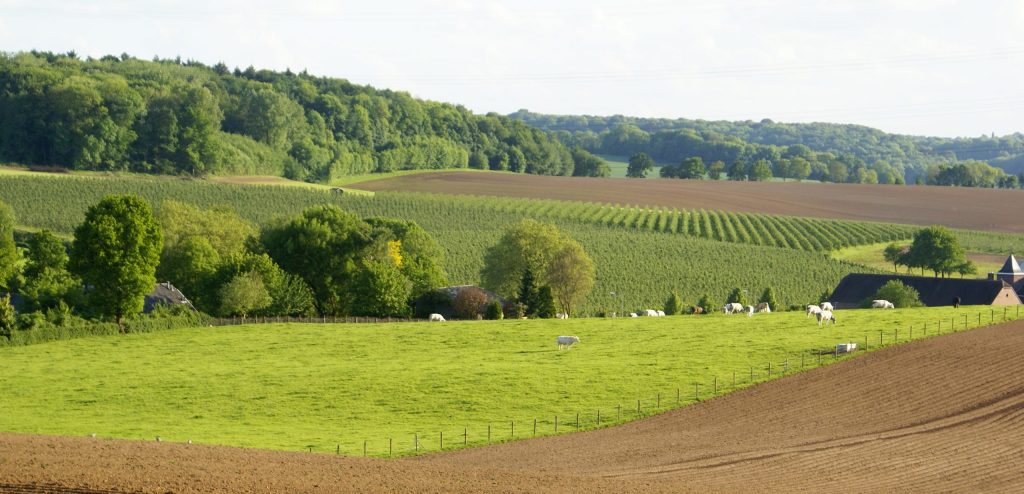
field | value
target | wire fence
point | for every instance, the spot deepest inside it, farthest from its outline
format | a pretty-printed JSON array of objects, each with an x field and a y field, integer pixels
[{"x": 687, "y": 393}]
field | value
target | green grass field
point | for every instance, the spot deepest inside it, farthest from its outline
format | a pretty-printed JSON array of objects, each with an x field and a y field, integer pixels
[{"x": 315, "y": 386}]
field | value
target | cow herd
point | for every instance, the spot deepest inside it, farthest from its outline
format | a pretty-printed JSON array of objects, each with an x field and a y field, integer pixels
[{"x": 737, "y": 308}]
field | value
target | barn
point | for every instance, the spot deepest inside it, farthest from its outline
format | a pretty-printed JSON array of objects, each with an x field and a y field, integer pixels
[
  {"x": 1012, "y": 274},
  {"x": 165, "y": 294},
  {"x": 857, "y": 287}
]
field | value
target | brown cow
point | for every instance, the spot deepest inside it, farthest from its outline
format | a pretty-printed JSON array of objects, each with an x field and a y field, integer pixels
[{"x": 698, "y": 310}]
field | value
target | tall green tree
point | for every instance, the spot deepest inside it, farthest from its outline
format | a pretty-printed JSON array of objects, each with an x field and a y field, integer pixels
[
  {"x": 47, "y": 280},
  {"x": 692, "y": 168},
  {"x": 570, "y": 275},
  {"x": 760, "y": 171},
  {"x": 716, "y": 169},
  {"x": 737, "y": 171},
  {"x": 8, "y": 250},
  {"x": 244, "y": 294},
  {"x": 893, "y": 253},
  {"x": 639, "y": 165},
  {"x": 674, "y": 304},
  {"x": 935, "y": 248},
  {"x": 115, "y": 253},
  {"x": 526, "y": 245},
  {"x": 323, "y": 246}
]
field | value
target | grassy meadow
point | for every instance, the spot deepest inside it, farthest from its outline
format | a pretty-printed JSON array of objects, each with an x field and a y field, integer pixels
[{"x": 318, "y": 386}]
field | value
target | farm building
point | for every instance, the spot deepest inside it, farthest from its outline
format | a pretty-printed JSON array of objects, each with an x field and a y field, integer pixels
[
  {"x": 857, "y": 287},
  {"x": 1012, "y": 274},
  {"x": 165, "y": 294}
]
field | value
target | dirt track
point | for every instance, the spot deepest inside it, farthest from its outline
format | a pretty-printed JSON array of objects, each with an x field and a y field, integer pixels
[
  {"x": 958, "y": 207},
  {"x": 945, "y": 414}
]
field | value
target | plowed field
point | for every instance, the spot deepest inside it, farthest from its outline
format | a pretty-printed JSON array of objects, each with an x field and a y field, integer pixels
[
  {"x": 944, "y": 414},
  {"x": 957, "y": 207}
]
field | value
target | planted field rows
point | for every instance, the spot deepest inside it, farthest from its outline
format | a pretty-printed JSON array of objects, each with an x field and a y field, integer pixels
[{"x": 329, "y": 388}]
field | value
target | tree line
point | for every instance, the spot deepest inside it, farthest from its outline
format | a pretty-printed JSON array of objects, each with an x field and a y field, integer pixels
[
  {"x": 324, "y": 261},
  {"x": 832, "y": 152},
  {"x": 170, "y": 116}
]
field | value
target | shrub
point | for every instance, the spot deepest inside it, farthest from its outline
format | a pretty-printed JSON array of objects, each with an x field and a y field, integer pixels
[
  {"x": 468, "y": 302},
  {"x": 493, "y": 311},
  {"x": 545, "y": 303},
  {"x": 900, "y": 295},
  {"x": 768, "y": 296},
  {"x": 674, "y": 304},
  {"x": 705, "y": 303},
  {"x": 736, "y": 296}
]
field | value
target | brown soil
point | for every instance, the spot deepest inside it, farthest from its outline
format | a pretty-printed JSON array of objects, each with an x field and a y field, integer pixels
[
  {"x": 958, "y": 207},
  {"x": 944, "y": 414}
]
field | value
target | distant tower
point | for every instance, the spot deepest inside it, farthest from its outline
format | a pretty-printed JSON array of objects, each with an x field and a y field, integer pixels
[{"x": 1012, "y": 274}]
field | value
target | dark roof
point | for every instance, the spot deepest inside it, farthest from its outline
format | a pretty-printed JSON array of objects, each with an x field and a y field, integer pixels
[
  {"x": 857, "y": 287},
  {"x": 164, "y": 293},
  {"x": 1011, "y": 266}
]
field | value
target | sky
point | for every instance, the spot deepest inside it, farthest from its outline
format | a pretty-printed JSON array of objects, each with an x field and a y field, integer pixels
[{"x": 925, "y": 67}]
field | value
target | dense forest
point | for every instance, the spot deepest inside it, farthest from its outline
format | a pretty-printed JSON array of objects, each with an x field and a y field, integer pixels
[
  {"x": 834, "y": 152},
  {"x": 183, "y": 117}
]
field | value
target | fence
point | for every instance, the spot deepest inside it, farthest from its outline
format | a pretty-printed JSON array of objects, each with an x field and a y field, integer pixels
[{"x": 659, "y": 402}]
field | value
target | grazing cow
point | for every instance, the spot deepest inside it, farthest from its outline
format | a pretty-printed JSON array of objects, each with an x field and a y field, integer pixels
[
  {"x": 436, "y": 318},
  {"x": 567, "y": 341},
  {"x": 882, "y": 304},
  {"x": 698, "y": 310},
  {"x": 633, "y": 314},
  {"x": 661, "y": 313},
  {"x": 813, "y": 309},
  {"x": 825, "y": 316},
  {"x": 956, "y": 302},
  {"x": 750, "y": 311},
  {"x": 650, "y": 313},
  {"x": 764, "y": 307},
  {"x": 733, "y": 308},
  {"x": 827, "y": 306},
  {"x": 561, "y": 315}
]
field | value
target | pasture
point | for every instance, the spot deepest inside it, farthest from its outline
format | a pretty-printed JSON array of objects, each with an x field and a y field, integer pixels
[{"x": 320, "y": 386}]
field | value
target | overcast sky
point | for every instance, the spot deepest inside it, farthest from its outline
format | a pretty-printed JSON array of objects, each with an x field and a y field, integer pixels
[{"x": 932, "y": 67}]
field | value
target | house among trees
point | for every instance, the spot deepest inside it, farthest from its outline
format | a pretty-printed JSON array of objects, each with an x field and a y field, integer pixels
[
  {"x": 165, "y": 294},
  {"x": 444, "y": 300},
  {"x": 934, "y": 292}
]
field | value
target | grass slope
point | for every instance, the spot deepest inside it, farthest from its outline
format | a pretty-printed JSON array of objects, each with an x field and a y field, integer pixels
[{"x": 315, "y": 386}]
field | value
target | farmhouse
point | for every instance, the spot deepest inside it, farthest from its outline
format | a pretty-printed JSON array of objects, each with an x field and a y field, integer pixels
[
  {"x": 165, "y": 294},
  {"x": 856, "y": 287},
  {"x": 1012, "y": 274}
]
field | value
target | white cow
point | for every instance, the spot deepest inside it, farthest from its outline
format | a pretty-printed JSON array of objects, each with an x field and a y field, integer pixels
[
  {"x": 661, "y": 313},
  {"x": 824, "y": 317},
  {"x": 633, "y": 314},
  {"x": 827, "y": 306},
  {"x": 436, "y": 318},
  {"x": 813, "y": 309},
  {"x": 764, "y": 307},
  {"x": 750, "y": 311},
  {"x": 882, "y": 304},
  {"x": 733, "y": 308},
  {"x": 562, "y": 315},
  {"x": 567, "y": 341},
  {"x": 650, "y": 313}
]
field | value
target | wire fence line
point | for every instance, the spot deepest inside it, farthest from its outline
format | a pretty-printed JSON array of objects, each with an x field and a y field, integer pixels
[{"x": 687, "y": 393}]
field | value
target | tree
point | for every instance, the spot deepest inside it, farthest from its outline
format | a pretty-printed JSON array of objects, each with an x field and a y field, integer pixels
[
  {"x": 469, "y": 302},
  {"x": 705, "y": 303},
  {"x": 7, "y": 316},
  {"x": 937, "y": 249},
  {"x": 115, "y": 253},
  {"x": 545, "y": 303},
  {"x": 494, "y": 312},
  {"x": 768, "y": 297},
  {"x": 899, "y": 294},
  {"x": 639, "y": 165},
  {"x": 322, "y": 246},
  {"x": 674, "y": 304},
  {"x": 588, "y": 165},
  {"x": 570, "y": 275},
  {"x": 47, "y": 280},
  {"x": 381, "y": 290},
  {"x": 760, "y": 171},
  {"x": 894, "y": 253},
  {"x": 736, "y": 296},
  {"x": 967, "y": 268},
  {"x": 716, "y": 169},
  {"x": 422, "y": 258},
  {"x": 8, "y": 250},
  {"x": 244, "y": 294},
  {"x": 526, "y": 245},
  {"x": 528, "y": 294},
  {"x": 737, "y": 171},
  {"x": 692, "y": 168}
]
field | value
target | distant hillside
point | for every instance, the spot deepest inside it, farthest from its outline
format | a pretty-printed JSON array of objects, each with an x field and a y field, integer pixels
[
  {"x": 174, "y": 117},
  {"x": 854, "y": 146}
]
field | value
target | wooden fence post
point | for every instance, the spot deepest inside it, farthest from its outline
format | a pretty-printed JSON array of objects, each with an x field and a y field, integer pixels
[
  {"x": 465, "y": 436},
  {"x": 440, "y": 441},
  {"x": 389, "y": 447}
]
